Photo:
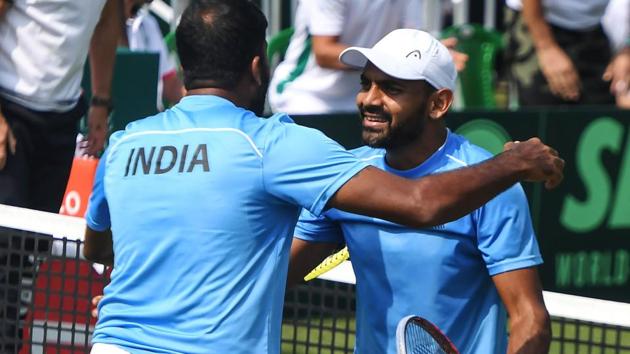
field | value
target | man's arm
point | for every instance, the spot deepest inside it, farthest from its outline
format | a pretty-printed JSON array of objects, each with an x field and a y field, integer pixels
[
  {"x": 530, "y": 327},
  {"x": 4, "y": 7},
  {"x": 305, "y": 256},
  {"x": 444, "y": 197},
  {"x": 102, "y": 55},
  {"x": 618, "y": 73},
  {"x": 555, "y": 64},
  {"x": 98, "y": 246},
  {"x": 8, "y": 142},
  {"x": 327, "y": 50}
]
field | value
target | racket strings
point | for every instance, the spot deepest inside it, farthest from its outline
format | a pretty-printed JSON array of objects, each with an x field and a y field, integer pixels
[{"x": 419, "y": 341}]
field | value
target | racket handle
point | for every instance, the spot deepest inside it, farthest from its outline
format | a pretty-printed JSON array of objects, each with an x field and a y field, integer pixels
[{"x": 328, "y": 263}]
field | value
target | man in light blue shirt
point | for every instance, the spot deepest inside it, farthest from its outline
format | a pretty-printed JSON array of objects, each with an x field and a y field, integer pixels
[
  {"x": 195, "y": 207},
  {"x": 461, "y": 275}
]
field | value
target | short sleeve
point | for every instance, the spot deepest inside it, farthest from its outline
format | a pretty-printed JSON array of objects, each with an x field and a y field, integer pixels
[
  {"x": 326, "y": 17},
  {"x": 505, "y": 233},
  {"x": 317, "y": 228},
  {"x": 304, "y": 167},
  {"x": 97, "y": 215}
]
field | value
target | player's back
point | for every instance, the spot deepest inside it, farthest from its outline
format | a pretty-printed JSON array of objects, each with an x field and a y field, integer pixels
[{"x": 195, "y": 252}]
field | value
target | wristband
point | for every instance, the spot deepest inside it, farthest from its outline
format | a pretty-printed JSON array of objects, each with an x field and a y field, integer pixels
[{"x": 97, "y": 101}]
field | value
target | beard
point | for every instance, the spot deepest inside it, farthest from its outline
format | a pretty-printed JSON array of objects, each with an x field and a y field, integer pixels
[{"x": 393, "y": 136}]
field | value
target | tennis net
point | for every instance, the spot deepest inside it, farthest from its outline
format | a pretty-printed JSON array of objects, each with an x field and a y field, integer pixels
[{"x": 46, "y": 287}]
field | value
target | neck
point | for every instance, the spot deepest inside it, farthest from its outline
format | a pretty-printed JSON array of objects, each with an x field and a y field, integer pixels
[
  {"x": 416, "y": 152},
  {"x": 239, "y": 95}
]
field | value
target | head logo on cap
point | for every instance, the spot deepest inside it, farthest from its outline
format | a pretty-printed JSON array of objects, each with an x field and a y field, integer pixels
[{"x": 414, "y": 54}]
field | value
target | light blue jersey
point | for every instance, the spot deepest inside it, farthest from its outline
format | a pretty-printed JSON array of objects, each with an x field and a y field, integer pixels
[
  {"x": 202, "y": 200},
  {"x": 441, "y": 273}
]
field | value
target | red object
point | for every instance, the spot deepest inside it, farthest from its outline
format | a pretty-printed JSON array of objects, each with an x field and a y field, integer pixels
[{"x": 61, "y": 320}]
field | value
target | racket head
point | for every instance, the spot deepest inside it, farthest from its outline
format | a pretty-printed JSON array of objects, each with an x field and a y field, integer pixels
[{"x": 416, "y": 335}]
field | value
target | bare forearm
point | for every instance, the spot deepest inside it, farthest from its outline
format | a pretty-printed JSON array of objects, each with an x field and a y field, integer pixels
[
  {"x": 103, "y": 49},
  {"x": 327, "y": 50},
  {"x": 98, "y": 247},
  {"x": 304, "y": 257},
  {"x": 530, "y": 334},
  {"x": 537, "y": 25},
  {"x": 448, "y": 196}
]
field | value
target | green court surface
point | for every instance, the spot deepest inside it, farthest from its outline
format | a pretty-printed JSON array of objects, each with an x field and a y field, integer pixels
[
  {"x": 569, "y": 338},
  {"x": 314, "y": 336}
]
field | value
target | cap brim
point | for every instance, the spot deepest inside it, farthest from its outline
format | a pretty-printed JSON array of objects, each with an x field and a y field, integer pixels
[{"x": 357, "y": 57}]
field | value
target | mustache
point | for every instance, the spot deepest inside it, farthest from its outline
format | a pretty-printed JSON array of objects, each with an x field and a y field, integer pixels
[{"x": 373, "y": 112}]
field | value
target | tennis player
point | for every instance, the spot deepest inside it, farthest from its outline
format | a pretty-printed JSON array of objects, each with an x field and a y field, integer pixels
[
  {"x": 196, "y": 206},
  {"x": 461, "y": 275}
]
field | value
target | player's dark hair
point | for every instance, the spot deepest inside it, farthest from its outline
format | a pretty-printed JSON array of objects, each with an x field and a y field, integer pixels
[{"x": 217, "y": 40}]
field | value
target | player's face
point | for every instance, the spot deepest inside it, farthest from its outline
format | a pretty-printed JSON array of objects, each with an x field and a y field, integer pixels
[{"x": 393, "y": 111}]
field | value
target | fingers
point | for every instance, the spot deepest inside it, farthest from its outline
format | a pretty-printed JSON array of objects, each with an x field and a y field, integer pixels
[
  {"x": 8, "y": 142},
  {"x": 560, "y": 73},
  {"x": 449, "y": 42},
  {"x": 556, "y": 175},
  {"x": 565, "y": 85},
  {"x": 95, "y": 301}
]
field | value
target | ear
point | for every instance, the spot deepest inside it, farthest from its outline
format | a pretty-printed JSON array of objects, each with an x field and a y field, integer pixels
[
  {"x": 255, "y": 68},
  {"x": 441, "y": 101}
]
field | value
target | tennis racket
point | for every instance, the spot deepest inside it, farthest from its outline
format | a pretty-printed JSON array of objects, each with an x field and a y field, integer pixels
[
  {"x": 416, "y": 335},
  {"x": 328, "y": 263}
]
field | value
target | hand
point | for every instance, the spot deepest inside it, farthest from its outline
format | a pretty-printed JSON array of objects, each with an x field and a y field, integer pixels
[
  {"x": 97, "y": 130},
  {"x": 618, "y": 73},
  {"x": 541, "y": 162},
  {"x": 7, "y": 141},
  {"x": 4, "y": 7},
  {"x": 459, "y": 58},
  {"x": 95, "y": 300},
  {"x": 561, "y": 75}
]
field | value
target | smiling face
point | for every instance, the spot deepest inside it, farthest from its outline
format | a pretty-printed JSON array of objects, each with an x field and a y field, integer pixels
[{"x": 393, "y": 111}]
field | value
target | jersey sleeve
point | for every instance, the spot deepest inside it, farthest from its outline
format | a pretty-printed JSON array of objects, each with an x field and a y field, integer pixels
[
  {"x": 326, "y": 17},
  {"x": 97, "y": 215},
  {"x": 317, "y": 228},
  {"x": 505, "y": 233},
  {"x": 304, "y": 167}
]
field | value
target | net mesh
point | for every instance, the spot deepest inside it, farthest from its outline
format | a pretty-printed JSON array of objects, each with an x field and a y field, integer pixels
[{"x": 46, "y": 288}]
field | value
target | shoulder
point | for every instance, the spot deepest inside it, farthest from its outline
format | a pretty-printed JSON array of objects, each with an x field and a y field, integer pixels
[
  {"x": 368, "y": 154},
  {"x": 465, "y": 153}
]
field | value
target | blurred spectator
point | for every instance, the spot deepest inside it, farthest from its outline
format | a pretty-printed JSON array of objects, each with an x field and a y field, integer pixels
[
  {"x": 560, "y": 54},
  {"x": 43, "y": 48},
  {"x": 616, "y": 23},
  {"x": 144, "y": 34},
  {"x": 311, "y": 79}
]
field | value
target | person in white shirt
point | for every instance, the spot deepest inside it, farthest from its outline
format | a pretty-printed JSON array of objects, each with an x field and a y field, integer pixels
[
  {"x": 43, "y": 48},
  {"x": 311, "y": 79},
  {"x": 144, "y": 34},
  {"x": 560, "y": 54}
]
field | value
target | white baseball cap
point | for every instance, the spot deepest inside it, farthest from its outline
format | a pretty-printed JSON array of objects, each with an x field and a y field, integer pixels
[{"x": 407, "y": 54}]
